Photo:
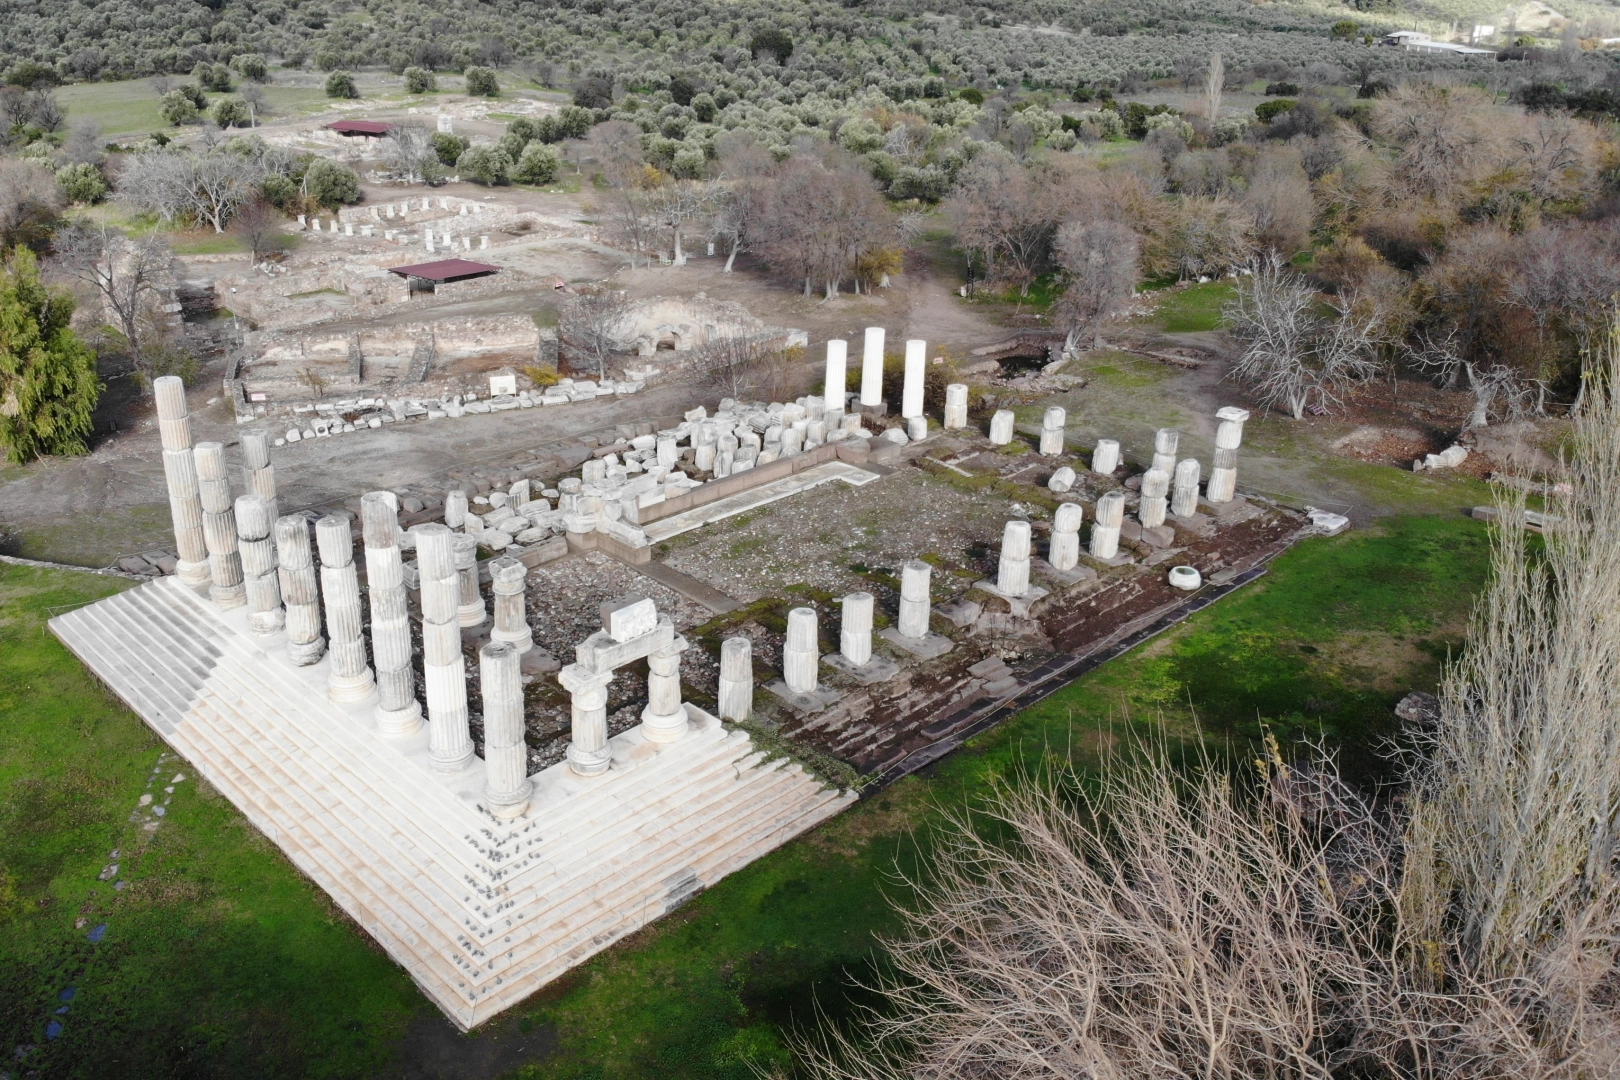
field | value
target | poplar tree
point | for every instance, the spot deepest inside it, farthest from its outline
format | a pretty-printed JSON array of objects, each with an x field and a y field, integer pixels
[{"x": 48, "y": 383}]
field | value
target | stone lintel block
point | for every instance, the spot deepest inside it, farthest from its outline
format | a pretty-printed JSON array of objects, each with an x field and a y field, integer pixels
[
  {"x": 629, "y": 617},
  {"x": 960, "y": 612},
  {"x": 875, "y": 670},
  {"x": 1159, "y": 536},
  {"x": 577, "y": 677},
  {"x": 601, "y": 653},
  {"x": 813, "y": 702},
  {"x": 928, "y": 647},
  {"x": 1221, "y": 510}
]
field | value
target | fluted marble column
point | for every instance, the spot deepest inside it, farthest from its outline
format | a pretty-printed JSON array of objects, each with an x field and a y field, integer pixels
[
  {"x": 471, "y": 609},
  {"x": 258, "y": 547},
  {"x": 508, "y": 577},
  {"x": 916, "y": 598},
  {"x": 736, "y": 698},
  {"x": 956, "y": 407},
  {"x": 1184, "y": 503},
  {"x": 1001, "y": 427},
  {"x": 872, "y": 367},
  {"x": 1105, "y": 533},
  {"x": 1105, "y": 458},
  {"x": 455, "y": 508},
  {"x": 1064, "y": 553},
  {"x": 219, "y": 527},
  {"x": 1166, "y": 441},
  {"x": 588, "y": 751},
  {"x": 300, "y": 590},
  {"x": 349, "y": 678},
  {"x": 1052, "y": 427},
  {"x": 855, "y": 629},
  {"x": 1012, "y": 576},
  {"x": 1222, "y": 484},
  {"x": 1155, "y": 486},
  {"x": 835, "y": 389},
  {"x": 443, "y": 666},
  {"x": 507, "y": 788},
  {"x": 180, "y": 471},
  {"x": 258, "y": 475},
  {"x": 664, "y": 718},
  {"x": 398, "y": 712},
  {"x": 801, "y": 652}
]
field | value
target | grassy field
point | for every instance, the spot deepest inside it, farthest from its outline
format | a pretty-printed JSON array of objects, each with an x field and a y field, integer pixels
[
  {"x": 220, "y": 959},
  {"x": 131, "y": 107},
  {"x": 1196, "y": 307}
]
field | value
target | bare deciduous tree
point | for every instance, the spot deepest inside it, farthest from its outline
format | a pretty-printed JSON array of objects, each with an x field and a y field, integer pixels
[
  {"x": 29, "y": 202},
  {"x": 409, "y": 151},
  {"x": 1214, "y": 83},
  {"x": 128, "y": 275},
  {"x": 1100, "y": 260},
  {"x": 818, "y": 218},
  {"x": 588, "y": 326},
  {"x": 1292, "y": 355},
  {"x": 259, "y": 225},
  {"x": 745, "y": 367},
  {"x": 680, "y": 206},
  {"x": 1002, "y": 212},
  {"x": 616, "y": 147}
]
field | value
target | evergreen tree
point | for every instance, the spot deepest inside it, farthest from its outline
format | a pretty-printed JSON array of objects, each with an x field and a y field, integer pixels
[{"x": 48, "y": 383}]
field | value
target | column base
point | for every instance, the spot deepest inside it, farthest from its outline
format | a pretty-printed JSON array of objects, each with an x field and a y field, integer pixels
[
  {"x": 452, "y": 762},
  {"x": 524, "y": 641},
  {"x": 267, "y": 623},
  {"x": 468, "y": 615},
  {"x": 398, "y": 723},
  {"x": 351, "y": 689},
  {"x": 307, "y": 652},
  {"x": 228, "y": 596},
  {"x": 664, "y": 729},
  {"x": 507, "y": 805},
  {"x": 589, "y": 762},
  {"x": 194, "y": 574}
]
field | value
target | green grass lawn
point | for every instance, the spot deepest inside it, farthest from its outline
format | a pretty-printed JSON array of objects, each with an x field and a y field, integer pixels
[
  {"x": 131, "y": 107},
  {"x": 1196, "y": 307},
  {"x": 220, "y": 959}
]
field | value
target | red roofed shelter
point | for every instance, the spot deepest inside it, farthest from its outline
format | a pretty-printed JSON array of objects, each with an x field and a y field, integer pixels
[
  {"x": 371, "y": 129},
  {"x": 429, "y": 274}
]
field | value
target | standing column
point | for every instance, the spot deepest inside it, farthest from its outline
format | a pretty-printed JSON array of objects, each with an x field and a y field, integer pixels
[
  {"x": 916, "y": 598},
  {"x": 736, "y": 678},
  {"x": 1052, "y": 425},
  {"x": 1165, "y": 443},
  {"x": 1184, "y": 503},
  {"x": 872, "y": 368},
  {"x": 180, "y": 470},
  {"x": 837, "y": 374},
  {"x": 258, "y": 474},
  {"x": 219, "y": 527},
  {"x": 507, "y": 787},
  {"x": 443, "y": 666},
  {"x": 398, "y": 712},
  {"x": 471, "y": 611},
  {"x": 855, "y": 629},
  {"x": 1105, "y": 533},
  {"x": 1105, "y": 458},
  {"x": 956, "y": 406},
  {"x": 455, "y": 508},
  {"x": 801, "y": 653},
  {"x": 253, "y": 526},
  {"x": 1155, "y": 486},
  {"x": 1012, "y": 576},
  {"x": 1064, "y": 553},
  {"x": 295, "y": 567},
  {"x": 664, "y": 718},
  {"x": 911, "y": 396},
  {"x": 349, "y": 679},
  {"x": 588, "y": 751},
  {"x": 508, "y": 578},
  {"x": 1223, "y": 470},
  {"x": 1001, "y": 427}
]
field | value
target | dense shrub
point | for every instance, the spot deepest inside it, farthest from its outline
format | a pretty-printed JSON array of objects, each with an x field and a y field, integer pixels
[
  {"x": 331, "y": 184},
  {"x": 484, "y": 164},
  {"x": 420, "y": 80},
  {"x": 340, "y": 84},
  {"x": 537, "y": 165},
  {"x": 481, "y": 82},
  {"x": 82, "y": 184}
]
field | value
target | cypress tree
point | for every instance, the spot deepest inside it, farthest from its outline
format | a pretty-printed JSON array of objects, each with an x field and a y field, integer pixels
[{"x": 48, "y": 383}]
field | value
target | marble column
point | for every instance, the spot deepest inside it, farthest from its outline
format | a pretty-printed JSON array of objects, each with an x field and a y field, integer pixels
[
  {"x": 801, "y": 652},
  {"x": 1064, "y": 553},
  {"x": 508, "y": 577},
  {"x": 471, "y": 611},
  {"x": 916, "y": 599},
  {"x": 180, "y": 470},
  {"x": 664, "y": 718},
  {"x": 258, "y": 548},
  {"x": 1155, "y": 488},
  {"x": 1165, "y": 443},
  {"x": 1001, "y": 427},
  {"x": 507, "y": 787},
  {"x": 398, "y": 712},
  {"x": 1012, "y": 576},
  {"x": 258, "y": 475},
  {"x": 349, "y": 679},
  {"x": 872, "y": 367},
  {"x": 1222, "y": 484},
  {"x": 911, "y": 395},
  {"x": 588, "y": 751},
  {"x": 1184, "y": 503},
  {"x": 300, "y": 590},
  {"x": 956, "y": 406},
  {"x": 1105, "y": 533},
  {"x": 219, "y": 527},
  {"x": 736, "y": 698},
  {"x": 443, "y": 665},
  {"x": 1052, "y": 425},
  {"x": 455, "y": 508},
  {"x": 855, "y": 629},
  {"x": 1105, "y": 458},
  {"x": 837, "y": 374}
]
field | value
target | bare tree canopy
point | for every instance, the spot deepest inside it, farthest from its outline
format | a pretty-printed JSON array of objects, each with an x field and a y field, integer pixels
[
  {"x": 1006, "y": 214},
  {"x": 1099, "y": 258},
  {"x": 588, "y": 326},
  {"x": 818, "y": 218},
  {"x": 128, "y": 275}
]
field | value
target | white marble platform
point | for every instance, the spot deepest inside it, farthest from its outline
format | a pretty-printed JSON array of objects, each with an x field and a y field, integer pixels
[
  {"x": 481, "y": 913},
  {"x": 748, "y": 500}
]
